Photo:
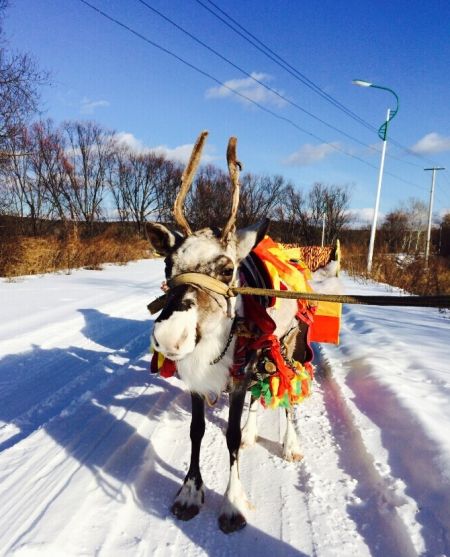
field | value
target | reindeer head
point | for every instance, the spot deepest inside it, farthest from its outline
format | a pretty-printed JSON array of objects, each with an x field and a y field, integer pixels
[{"x": 193, "y": 314}]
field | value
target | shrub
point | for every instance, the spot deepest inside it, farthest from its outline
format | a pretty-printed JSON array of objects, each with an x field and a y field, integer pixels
[
  {"x": 34, "y": 255},
  {"x": 406, "y": 272}
]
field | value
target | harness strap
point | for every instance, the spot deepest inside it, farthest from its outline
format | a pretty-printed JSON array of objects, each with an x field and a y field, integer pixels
[{"x": 205, "y": 281}]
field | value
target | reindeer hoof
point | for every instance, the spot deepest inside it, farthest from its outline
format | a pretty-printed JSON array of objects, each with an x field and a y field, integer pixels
[
  {"x": 189, "y": 499},
  {"x": 292, "y": 456},
  {"x": 231, "y": 523},
  {"x": 248, "y": 442},
  {"x": 183, "y": 511}
]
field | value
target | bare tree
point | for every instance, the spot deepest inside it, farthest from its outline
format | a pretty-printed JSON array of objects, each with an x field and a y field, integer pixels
[
  {"x": 20, "y": 79},
  {"x": 292, "y": 215},
  {"x": 444, "y": 235},
  {"x": 417, "y": 212},
  {"x": 396, "y": 230},
  {"x": 209, "y": 199},
  {"x": 115, "y": 169},
  {"x": 142, "y": 185},
  {"x": 329, "y": 202},
  {"x": 260, "y": 197},
  {"x": 85, "y": 161},
  {"x": 139, "y": 177},
  {"x": 167, "y": 190},
  {"x": 48, "y": 160},
  {"x": 27, "y": 192}
]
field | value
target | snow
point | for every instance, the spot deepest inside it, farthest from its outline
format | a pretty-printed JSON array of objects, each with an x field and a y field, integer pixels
[{"x": 93, "y": 448}]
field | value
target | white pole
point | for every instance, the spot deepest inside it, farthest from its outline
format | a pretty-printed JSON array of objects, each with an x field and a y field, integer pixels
[
  {"x": 430, "y": 212},
  {"x": 377, "y": 203},
  {"x": 323, "y": 229}
]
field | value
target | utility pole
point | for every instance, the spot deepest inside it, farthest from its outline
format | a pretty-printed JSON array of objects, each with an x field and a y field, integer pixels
[
  {"x": 430, "y": 211},
  {"x": 323, "y": 227}
]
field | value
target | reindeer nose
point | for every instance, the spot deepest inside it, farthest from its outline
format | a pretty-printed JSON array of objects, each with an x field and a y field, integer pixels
[{"x": 169, "y": 342}]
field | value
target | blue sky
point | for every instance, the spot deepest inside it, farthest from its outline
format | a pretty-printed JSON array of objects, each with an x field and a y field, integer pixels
[{"x": 103, "y": 72}]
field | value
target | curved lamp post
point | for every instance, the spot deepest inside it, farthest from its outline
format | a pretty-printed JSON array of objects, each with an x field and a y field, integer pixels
[{"x": 382, "y": 134}]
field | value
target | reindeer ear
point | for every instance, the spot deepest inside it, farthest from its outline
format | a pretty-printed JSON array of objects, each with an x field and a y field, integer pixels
[
  {"x": 161, "y": 238},
  {"x": 248, "y": 238}
]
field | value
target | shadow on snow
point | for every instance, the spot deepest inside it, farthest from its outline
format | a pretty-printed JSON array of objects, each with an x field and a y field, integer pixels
[{"x": 71, "y": 391}]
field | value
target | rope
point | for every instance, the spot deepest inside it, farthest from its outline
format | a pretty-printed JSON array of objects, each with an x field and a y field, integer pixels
[
  {"x": 440, "y": 301},
  {"x": 210, "y": 283}
]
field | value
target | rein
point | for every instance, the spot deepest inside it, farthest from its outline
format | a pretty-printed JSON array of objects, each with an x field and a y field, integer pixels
[{"x": 229, "y": 291}]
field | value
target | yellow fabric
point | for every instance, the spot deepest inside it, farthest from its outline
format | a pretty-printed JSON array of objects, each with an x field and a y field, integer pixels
[
  {"x": 278, "y": 261},
  {"x": 300, "y": 389},
  {"x": 331, "y": 309},
  {"x": 280, "y": 266}
]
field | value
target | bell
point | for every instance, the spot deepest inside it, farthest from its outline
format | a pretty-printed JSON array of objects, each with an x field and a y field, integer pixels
[{"x": 270, "y": 367}]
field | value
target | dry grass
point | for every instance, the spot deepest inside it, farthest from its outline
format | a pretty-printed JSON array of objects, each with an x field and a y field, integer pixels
[
  {"x": 408, "y": 273},
  {"x": 28, "y": 256}
]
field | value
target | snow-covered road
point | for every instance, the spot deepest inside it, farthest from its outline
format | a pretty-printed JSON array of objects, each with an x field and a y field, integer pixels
[{"x": 93, "y": 448}]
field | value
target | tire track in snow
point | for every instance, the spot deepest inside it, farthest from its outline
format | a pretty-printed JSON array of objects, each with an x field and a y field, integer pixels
[
  {"x": 80, "y": 370},
  {"x": 398, "y": 422},
  {"x": 154, "y": 484},
  {"x": 376, "y": 513},
  {"x": 87, "y": 455},
  {"x": 327, "y": 489},
  {"x": 262, "y": 482},
  {"x": 136, "y": 498}
]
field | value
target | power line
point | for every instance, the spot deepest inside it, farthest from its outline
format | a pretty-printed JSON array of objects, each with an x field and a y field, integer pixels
[
  {"x": 404, "y": 181},
  {"x": 273, "y": 91},
  {"x": 446, "y": 177},
  {"x": 442, "y": 202},
  {"x": 211, "y": 77},
  {"x": 294, "y": 72},
  {"x": 252, "y": 77},
  {"x": 221, "y": 83}
]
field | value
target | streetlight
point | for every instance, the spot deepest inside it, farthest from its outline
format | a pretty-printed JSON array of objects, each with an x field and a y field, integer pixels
[{"x": 382, "y": 134}]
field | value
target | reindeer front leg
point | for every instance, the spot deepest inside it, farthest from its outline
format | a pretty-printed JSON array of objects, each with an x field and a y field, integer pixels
[
  {"x": 231, "y": 516},
  {"x": 191, "y": 495}
]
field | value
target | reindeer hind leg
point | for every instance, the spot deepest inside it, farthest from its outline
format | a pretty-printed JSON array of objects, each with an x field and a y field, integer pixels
[
  {"x": 250, "y": 430},
  {"x": 291, "y": 445}
]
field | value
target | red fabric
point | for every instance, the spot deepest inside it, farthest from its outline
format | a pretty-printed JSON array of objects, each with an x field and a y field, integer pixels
[
  {"x": 166, "y": 369},
  {"x": 326, "y": 329},
  {"x": 256, "y": 316}
]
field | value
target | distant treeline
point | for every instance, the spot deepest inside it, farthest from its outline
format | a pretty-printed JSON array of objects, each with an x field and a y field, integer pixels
[{"x": 80, "y": 172}]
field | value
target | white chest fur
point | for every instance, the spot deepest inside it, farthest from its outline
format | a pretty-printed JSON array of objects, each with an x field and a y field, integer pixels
[{"x": 199, "y": 374}]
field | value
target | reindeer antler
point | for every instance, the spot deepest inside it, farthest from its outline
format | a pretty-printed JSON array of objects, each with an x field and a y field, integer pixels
[
  {"x": 186, "y": 182},
  {"x": 234, "y": 166}
]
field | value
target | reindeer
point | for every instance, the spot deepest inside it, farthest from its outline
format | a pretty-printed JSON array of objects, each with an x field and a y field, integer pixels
[{"x": 196, "y": 329}]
